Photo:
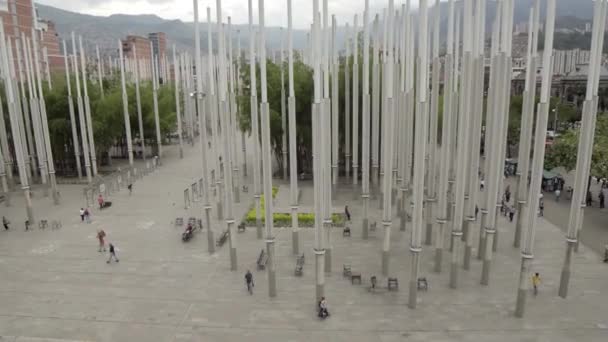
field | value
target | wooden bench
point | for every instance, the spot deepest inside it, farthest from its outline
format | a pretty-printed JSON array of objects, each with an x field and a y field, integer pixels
[
  {"x": 222, "y": 239},
  {"x": 199, "y": 224},
  {"x": 43, "y": 224},
  {"x": 393, "y": 284},
  {"x": 299, "y": 265},
  {"x": 262, "y": 259},
  {"x": 55, "y": 224},
  {"x": 422, "y": 284},
  {"x": 346, "y": 270},
  {"x": 241, "y": 227},
  {"x": 179, "y": 221},
  {"x": 355, "y": 276},
  {"x": 245, "y": 188},
  {"x": 346, "y": 231}
]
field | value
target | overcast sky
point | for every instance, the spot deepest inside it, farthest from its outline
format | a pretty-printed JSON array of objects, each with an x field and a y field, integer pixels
[{"x": 276, "y": 10}]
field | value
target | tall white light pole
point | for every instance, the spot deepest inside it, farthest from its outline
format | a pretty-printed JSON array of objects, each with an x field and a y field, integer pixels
[
  {"x": 232, "y": 123},
  {"x": 223, "y": 115},
  {"x": 355, "y": 133},
  {"x": 388, "y": 144},
  {"x": 45, "y": 123},
  {"x": 87, "y": 107},
  {"x": 347, "y": 99},
  {"x": 71, "y": 109},
  {"x": 319, "y": 249},
  {"x": 125, "y": 106},
  {"x": 81, "y": 114},
  {"x": 202, "y": 122},
  {"x": 293, "y": 154},
  {"x": 375, "y": 106},
  {"x": 255, "y": 129},
  {"x": 138, "y": 104},
  {"x": 585, "y": 147},
  {"x": 266, "y": 165},
  {"x": 365, "y": 111},
  {"x": 176, "y": 75},
  {"x": 31, "y": 162},
  {"x": 99, "y": 73},
  {"x": 283, "y": 110},
  {"x": 155, "y": 76},
  {"x": 538, "y": 157},
  {"x": 9, "y": 91},
  {"x": 419, "y": 152},
  {"x": 335, "y": 107},
  {"x": 446, "y": 138}
]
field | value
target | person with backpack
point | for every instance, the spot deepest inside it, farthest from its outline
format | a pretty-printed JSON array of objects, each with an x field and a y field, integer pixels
[
  {"x": 249, "y": 281},
  {"x": 87, "y": 215},
  {"x": 323, "y": 312},
  {"x": 81, "y": 212}
]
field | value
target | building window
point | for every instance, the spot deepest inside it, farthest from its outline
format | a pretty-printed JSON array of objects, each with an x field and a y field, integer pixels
[{"x": 4, "y": 5}]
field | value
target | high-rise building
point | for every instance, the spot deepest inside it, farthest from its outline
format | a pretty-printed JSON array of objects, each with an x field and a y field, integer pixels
[
  {"x": 139, "y": 43},
  {"x": 159, "y": 43},
  {"x": 19, "y": 17}
]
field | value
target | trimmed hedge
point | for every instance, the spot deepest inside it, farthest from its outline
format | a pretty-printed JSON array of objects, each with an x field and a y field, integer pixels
[{"x": 284, "y": 219}]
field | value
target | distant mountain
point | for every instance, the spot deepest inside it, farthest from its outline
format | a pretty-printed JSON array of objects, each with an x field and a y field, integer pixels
[{"x": 105, "y": 31}]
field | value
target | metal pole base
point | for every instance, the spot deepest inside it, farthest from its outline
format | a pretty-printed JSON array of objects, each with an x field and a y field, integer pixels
[
  {"x": 518, "y": 225},
  {"x": 429, "y": 234},
  {"x": 482, "y": 243},
  {"x": 485, "y": 272},
  {"x": 495, "y": 242},
  {"x": 181, "y": 153},
  {"x": 233, "y": 259},
  {"x": 272, "y": 277},
  {"x": 327, "y": 260},
  {"x": 220, "y": 210},
  {"x": 295, "y": 242},
  {"x": 355, "y": 175},
  {"x": 564, "y": 279},
  {"x": 210, "y": 241},
  {"x": 385, "y": 261},
  {"x": 402, "y": 219},
  {"x": 453, "y": 275},
  {"x": 237, "y": 194},
  {"x": 521, "y": 303},
  {"x": 365, "y": 228},
  {"x": 468, "y": 251},
  {"x": 258, "y": 226},
  {"x": 438, "y": 260}
]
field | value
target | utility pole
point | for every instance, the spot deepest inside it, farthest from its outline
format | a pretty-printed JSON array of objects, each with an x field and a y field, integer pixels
[
  {"x": 283, "y": 112},
  {"x": 355, "y": 149},
  {"x": 99, "y": 73},
  {"x": 154, "y": 61},
  {"x": 375, "y": 106},
  {"x": 347, "y": 99}
]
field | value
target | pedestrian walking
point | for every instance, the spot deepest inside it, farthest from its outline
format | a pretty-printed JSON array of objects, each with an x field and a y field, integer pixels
[
  {"x": 87, "y": 215},
  {"x": 508, "y": 193},
  {"x": 481, "y": 184},
  {"x": 476, "y": 211},
  {"x": 541, "y": 208},
  {"x": 100, "y": 201},
  {"x": 589, "y": 201},
  {"x": 511, "y": 213},
  {"x": 112, "y": 253},
  {"x": 536, "y": 282},
  {"x": 81, "y": 212},
  {"x": 101, "y": 235},
  {"x": 557, "y": 193},
  {"x": 130, "y": 187},
  {"x": 5, "y": 222},
  {"x": 323, "y": 312},
  {"x": 249, "y": 282},
  {"x": 347, "y": 213},
  {"x": 602, "y": 198}
]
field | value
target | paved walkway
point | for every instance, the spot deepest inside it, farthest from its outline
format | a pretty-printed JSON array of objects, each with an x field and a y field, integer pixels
[{"x": 55, "y": 286}]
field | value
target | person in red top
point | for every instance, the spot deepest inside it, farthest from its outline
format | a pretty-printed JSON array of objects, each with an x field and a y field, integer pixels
[
  {"x": 101, "y": 236},
  {"x": 100, "y": 201}
]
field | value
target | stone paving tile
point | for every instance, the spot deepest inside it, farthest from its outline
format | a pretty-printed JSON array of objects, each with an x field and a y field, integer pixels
[{"x": 57, "y": 287}]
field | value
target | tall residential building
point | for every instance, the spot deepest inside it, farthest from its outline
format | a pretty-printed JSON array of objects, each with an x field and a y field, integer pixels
[
  {"x": 18, "y": 19},
  {"x": 141, "y": 44},
  {"x": 159, "y": 43}
]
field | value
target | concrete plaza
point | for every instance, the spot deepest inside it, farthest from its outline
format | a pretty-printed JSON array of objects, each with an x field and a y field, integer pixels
[{"x": 56, "y": 286}]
